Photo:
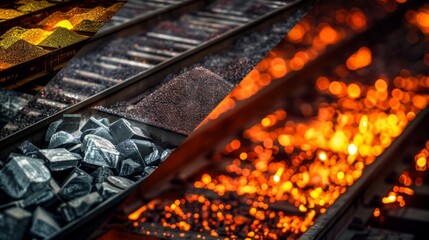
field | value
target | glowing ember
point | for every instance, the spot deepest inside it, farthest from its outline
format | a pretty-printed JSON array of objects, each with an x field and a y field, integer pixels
[
  {"x": 376, "y": 212},
  {"x": 278, "y": 175},
  {"x": 352, "y": 149},
  {"x": 323, "y": 156},
  {"x": 328, "y": 35},
  {"x": 395, "y": 197},
  {"x": 420, "y": 18},
  {"x": 389, "y": 199},
  {"x": 359, "y": 59}
]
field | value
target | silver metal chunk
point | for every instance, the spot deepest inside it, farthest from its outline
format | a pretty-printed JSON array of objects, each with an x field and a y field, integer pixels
[
  {"x": 62, "y": 139},
  {"x": 120, "y": 182},
  {"x": 44, "y": 225},
  {"x": 78, "y": 183},
  {"x": 129, "y": 168},
  {"x": 79, "y": 206},
  {"x": 107, "y": 190},
  {"x": 23, "y": 176},
  {"x": 13, "y": 223},
  {"x": 100, "y": 152},
  {"x": 100, "y": 175},
  {"x": 122, "y": 130},
  {"x": 135, "y": 149},
  {"x": 59, "y": 159}
]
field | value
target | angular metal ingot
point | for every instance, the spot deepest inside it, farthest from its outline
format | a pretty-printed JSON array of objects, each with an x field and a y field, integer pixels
[
  {"x": 44, "y": 225},
  {"x": 39, "y": 198},
  {"x": 105, "y": 121},
  {"x": 13, "y": 155},
  {"x": 122, "y": 130},
  {"x": 100, "y": 175},
  {"x": 28, "y": 149},
  {"x": 153, "y": 159},
  {"x": 104, "y": 133},
  {"x": 13, "y": 223},
  {"x": 23, "y": 176},
  {"x": 165, "y": 154},
  {"x": 79, "y": 206},
  {"x": 76, "y": 149},
  {"x": 107, "y": 190},
  {"x": 59, "y": 159},
  {"x": 54, "y": 186},
  {"x": 86, "y": 132},
  {"x": 100, "y": 152},
  {"x": 62, "y": 139},
  {"x": 148, "y": 171},
  {"x": 92, "y": 123},
  {"x": 144, "y": 147},
  {"x": 136, "y": 149},
  {"x": 120, "y": 182},
  {"x": 70, "y": 123},
  {"x": 79, "y": 183},
  {"x": 52, "y": 129},
  {"x": 129, "y": 168}
]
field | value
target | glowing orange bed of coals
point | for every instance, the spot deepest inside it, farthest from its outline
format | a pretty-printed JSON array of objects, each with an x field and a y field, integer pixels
[{"x": 308, "y": 163}]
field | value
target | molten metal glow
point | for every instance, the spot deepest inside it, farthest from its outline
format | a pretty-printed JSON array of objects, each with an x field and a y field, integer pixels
[
  {"x": 389, "y": 199},
  {"x": 64, "y": 24},
  {"x": 136, "y": 214},
  {"x": 323, "y": 156},
  {"x": 352, "y": 149},
  {"x": 278, "y": 175},
  {"x": 421, "y": 162}
]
